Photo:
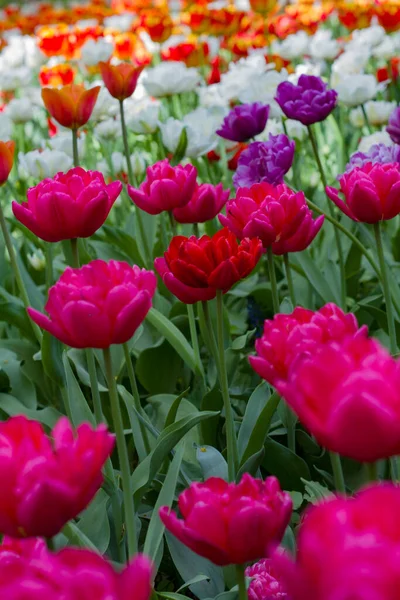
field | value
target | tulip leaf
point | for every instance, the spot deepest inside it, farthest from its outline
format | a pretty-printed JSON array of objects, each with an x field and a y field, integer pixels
[
  {"x": 196, "y": 579},
  {"x": 255, "y": 405},
  {"x": 259, "y": 432},
  {"x": 285, "y": 465},
  {"x": 212, "y": 463},
  {"x": 173, "y": 411},
  {"x": 52, "y": 358},
  {"x": 315, "y": 277},
  {"x": 80, "y": 410},
  {"x": 169, "y": 367},
  {"x": 251, "y": 465},
  {"x": 169, "y": 437},
  {"x": 173, "y": 336},
  {"x": 14, "y": 313},
  {"x": 13, "y": 407},
  {"x": 166, "y": 496},
  {"x": 94, "y": 522}
]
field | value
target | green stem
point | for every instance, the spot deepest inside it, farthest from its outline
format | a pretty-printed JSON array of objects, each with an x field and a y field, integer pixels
[
  {"x": 94, "y": 386},
  {"x": 289, "y": 279},
  {"x": 75, "y": 253},
  {"x": 122, "y": 454},
  {"x": 372, "y": 471},
  {"x": 272, "y": 278},
  {"x": 132, "y": 181},
  {"x": 77, "y": 537},
  {"x": 368, "y": 124},
  {"x": 394, "y": 470},
  {"x": 136, "y": 396},
  {"x": 194, "y": 338},
  {"x": 172, "y": 222},
  {"x": 17, "y": 272},
  {"x": 241, "y": 581},
  {"x": 75, "y": 147},
  {"x": 232, "y": 449},
  {"x": 330, "y": 208},
  {"x": 337, "y": 470},
  {"x": 386, "y": 289},
  {"x": 49, "y": 265}
]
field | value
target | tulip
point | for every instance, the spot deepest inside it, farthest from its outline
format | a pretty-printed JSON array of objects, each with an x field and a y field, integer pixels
[
  {"x": 286, "y": 337},
  {"x": 309, "y": 101},
  {"x": 120, "y": 80},
  {"x": 245, "y": 521},
  {"x": 6, "y": 160},
  {"x": 393, "y": 127},
  {"x": 265, "y": 162},
  {"x": 244, "y": 122},
  {"x": 347, "y": 548},
  {"x": 277, "y": 215},
  {"x": 263, "y": 6},
  {"x": 371, "y": 193},
  {"x": 29, "y": 570},
  {"x": 72, "y": 105},
  {"x": 204, "y": 205},
  {"x": 378, "y": 153},
  {"x": 347, "y": 394},
  {"x": 165, "y": 187},
  {"x": 97, "y": 305},
  {"x": 265, "y": 582},
  {"x": 46, "y": 482},
  {"x": 70, "y": 205},
  {"x": 194, "y": 269}
]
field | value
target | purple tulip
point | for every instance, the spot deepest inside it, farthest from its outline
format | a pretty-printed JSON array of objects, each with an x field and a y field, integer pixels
[
  {"x": 244, "y": 122},
  {"x": 265, "y": 161},
  {"x": 393, "y": 127},
  {"x": 378, "y": 153},
  {"x": 309, "y": 101}
]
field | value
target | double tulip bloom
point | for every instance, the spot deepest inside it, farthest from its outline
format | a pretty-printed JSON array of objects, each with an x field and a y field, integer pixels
[
  {"x": 72, "y": 105},
  {"x": 310, "y": 101},
  {"x": 347, "y": 548},
  {"x": 277, "y": 215},
  {"x": 205, "y": 203},
  {"x": 120, "y": 80},
  {"x": 97, "y": 305},
  {"x": 231, "y": 523},
  {"x": 244, "y": 122},
  {"x": 29, "y": 570},
  {"x": 371, "y": 192},
  {"x": 265, "y": 582},
  {"x": 7, "y": 150},
  {"x": 165, "y": 188},
  {"x": 70, "y": 205},
  {"x": 265, "y": 162},
  {"x": 195, "y": 269},
  {"x": 47, "y": 482}
]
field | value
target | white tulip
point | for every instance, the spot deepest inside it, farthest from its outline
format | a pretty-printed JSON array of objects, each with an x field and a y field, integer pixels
[
  {"x": 292, "y": 47},
  {"x": 142, "y": 118},
  {"x": 43, "y": 164},
  {"x": 20, "y": 110},
  {"x": 108, "y": 129},
  {"x": 121, "y": 22},
  {"x": 106, "y": 106},
  {"x": 6, "y": 127},
  {"x": 323, "y": 47},
  {"x": 354, "y": 90},
  {"x": 94, "y": 51},
  {"x": 169, "y": 78},
  {"x": 62, "y": 142},
  {"x": 379, "y": 137}
]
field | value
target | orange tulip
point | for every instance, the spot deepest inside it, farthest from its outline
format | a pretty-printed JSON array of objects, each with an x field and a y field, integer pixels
[
  {"x": 6, "y": 160},
  {"x": 120, "y": 80},
  {"x": 72, "y": 105}
]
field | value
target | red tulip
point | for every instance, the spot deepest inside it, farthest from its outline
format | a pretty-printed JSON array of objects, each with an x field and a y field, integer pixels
[
  {"x": 97, "y": 305},
  {"x": 72, "y": 105},
  {"x": 277, "y": 215},
  {"x": 7, "y": 150},
  {"x": 47, "y": 482},
  {"x": 286, "y": 337},
  {"x": 231, "y": 523},
  {"x": 194, "y": 269},
  {"x": 120, "y": 80},
  {"x": 371, "y": 192},
  {"x": 347, "y": 548},
  {"x": 70, "y": 205}
]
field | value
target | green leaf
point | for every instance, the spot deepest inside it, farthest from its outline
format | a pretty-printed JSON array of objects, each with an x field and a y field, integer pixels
[
  {"x": 260, "y": 430},
  {"x": 211, "y": 401},
  {"x": 35, "y": 296},
  {"x": 174, "y": 337},
  {"x": 13, "y": 407},
  {"x": 14, "y": 313},
  {"x": 52, "y": 358},
  {"x": 251, "y": 465},
  {"x": 166, "y": 496},
  {"x": 255, "y": 405},
  {"x": 212, "y": 462},
  {"x": 173, "y": 411},
  {"x": 20, "y": 386},
  {"x": 190, "y": 565},
  {"x": 196, "y": 579},
  {"x": 169, "y": 366},
  {"x": 243, "y": 340},
  {"x": 94, "y": 522},
  {"x": 181, "y": 148},
  {"x": 147, "y": 469},
  {"x": 316, "y": 278},
  {"x": 134, "y": 422},
  {"x": 285, "y": 465},
  {"x": 80, "y": 410},
  {"x": 315, "y": 492}
]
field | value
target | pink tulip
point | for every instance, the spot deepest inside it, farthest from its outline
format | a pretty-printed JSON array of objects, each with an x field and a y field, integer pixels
[
  {"x": 71, "y": 205},
  {"x": 266, "y": 582},
  {"x": 47, "y": 482},
  {"x": 231, "y": 523},
  {"x": 97, "y": 305},
  {"x": 204, "y": 205},
  {"x": 28, "y": 571},
  {"x": 286, "y": 337},
  {"x": 347, "y": 394},
  {"x": 165, "y": 187},
  {"x": 371, "y": 192},
  {"x": 277, "y": 215},
  {"x": 347, "y": 548}
]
